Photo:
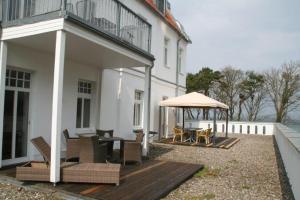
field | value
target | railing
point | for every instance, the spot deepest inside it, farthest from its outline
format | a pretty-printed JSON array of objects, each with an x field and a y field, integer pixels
[
  {"x": 108, "y": 16},
  {"x": 254, "y": 128}
]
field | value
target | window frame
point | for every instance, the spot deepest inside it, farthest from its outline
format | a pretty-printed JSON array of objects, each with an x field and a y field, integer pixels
[
  {"x": 139, "y": 102},
  {"x": 84, "y": 96}
]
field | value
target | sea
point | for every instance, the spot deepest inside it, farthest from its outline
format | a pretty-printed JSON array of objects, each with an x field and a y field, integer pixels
[{"x": 296, "y": 127}]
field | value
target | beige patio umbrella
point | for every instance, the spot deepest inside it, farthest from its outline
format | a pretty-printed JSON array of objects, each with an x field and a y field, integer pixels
[{"x": 196, "y": 100}]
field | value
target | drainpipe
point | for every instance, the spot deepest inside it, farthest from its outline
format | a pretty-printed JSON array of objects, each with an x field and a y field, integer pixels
[
  {"x": 177, "y": 68},
  {"x": 177, "y": 77}
]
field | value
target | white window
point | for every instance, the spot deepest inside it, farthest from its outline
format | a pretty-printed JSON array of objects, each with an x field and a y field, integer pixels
[
  {"x": 18, "y": 79},
  {"x": 138, "y": 109},
  {"x": 84, "y": 100},
  {"x": 166, "y": 52},
  {"x": 180, "y": 61},
  {"x": 160, "y": 4}
]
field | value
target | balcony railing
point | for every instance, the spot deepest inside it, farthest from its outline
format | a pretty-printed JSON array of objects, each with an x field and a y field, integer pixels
[{"x": 108, "y": 16}]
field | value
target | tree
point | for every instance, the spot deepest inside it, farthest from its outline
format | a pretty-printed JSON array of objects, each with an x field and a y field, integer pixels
[
  {"x": 283, "y": 87},
  {"x": 228, "y": 88},
  {"x": 202, "y": 81},
  {"x": 252, "y": 95}
]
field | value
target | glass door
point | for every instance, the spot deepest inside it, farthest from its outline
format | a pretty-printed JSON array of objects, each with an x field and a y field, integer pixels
[
  {"x": 15, "y": 129},
  {"x": 16, "y": 117}
]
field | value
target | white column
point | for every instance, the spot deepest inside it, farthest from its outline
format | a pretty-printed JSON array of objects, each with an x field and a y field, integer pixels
[
  {"x": 3, "y": 59},
  {"x": 147, "y": 103},
  {"x": 57, "y": 106},
  {"x": 98, "y": 98}
]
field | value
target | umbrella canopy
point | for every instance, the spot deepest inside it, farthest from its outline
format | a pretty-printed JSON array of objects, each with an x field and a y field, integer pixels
[{"x": 193, "y": 100}]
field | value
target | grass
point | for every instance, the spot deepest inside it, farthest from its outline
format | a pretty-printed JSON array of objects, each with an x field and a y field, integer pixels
[
  {"x": 205, "y": 172},
  {"x": 246, "y": 187}
]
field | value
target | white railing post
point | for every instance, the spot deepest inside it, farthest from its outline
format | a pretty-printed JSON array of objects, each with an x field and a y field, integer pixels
[
  {"x": 147, "y": 103},
  {"x": 57, "y": 106},
  {"x": 3, "y": 60}
]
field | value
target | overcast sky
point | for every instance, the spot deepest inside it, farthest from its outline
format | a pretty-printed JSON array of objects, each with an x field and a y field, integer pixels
[{"x": 248, "y": 34}]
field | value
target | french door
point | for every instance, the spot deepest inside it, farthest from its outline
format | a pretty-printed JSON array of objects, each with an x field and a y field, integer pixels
[{"x": 16, "y": 117}]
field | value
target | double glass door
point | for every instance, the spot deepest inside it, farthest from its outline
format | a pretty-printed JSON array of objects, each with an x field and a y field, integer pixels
[{"x": 16, "y": 120}]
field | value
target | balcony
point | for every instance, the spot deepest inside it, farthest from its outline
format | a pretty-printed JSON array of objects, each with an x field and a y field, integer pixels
[{"x": 109, "y": 18}]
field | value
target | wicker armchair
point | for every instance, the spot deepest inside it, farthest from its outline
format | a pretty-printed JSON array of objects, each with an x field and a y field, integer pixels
[
  {"x": 91, "y": 151},
  {"x": 73, "y": 146},
  {"x": 206, "y": 134},
  {"x": 110, "y": 145},
  {"x": 133, "y": 149},
  {"x": 178, "y": 132}
]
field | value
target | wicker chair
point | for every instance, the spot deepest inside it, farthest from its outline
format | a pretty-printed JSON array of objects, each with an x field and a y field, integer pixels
[
  {"x": 70, "y": 171},
  {"x": 110, "y": 145},
  {"x": 178, "y": 132},
  {"x": 39, "y": 171},
  {"x": 133, "y": 149},
  {"x": 73, "y": 146},
  {"x": 206, "y": 134},
  {"x": 91, "y": 151}
]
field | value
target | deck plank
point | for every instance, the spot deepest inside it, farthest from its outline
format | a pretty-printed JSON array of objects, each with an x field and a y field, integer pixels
[
  {"x": 151, "y": 184},
  {"x": 152, "y": 180}
]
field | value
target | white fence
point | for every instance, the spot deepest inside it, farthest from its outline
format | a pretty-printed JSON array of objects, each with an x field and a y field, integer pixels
[
  {"x": 288, "y": 142},
  {"x": 234, "y": 127}
]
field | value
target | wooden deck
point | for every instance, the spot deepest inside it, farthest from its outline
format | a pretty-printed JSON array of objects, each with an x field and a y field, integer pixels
[
  {"x": 220, "y": 142},
  {"x": 151, "y": 180}
]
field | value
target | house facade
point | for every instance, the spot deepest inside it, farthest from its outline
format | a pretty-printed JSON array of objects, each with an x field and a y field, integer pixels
[{"x": 84, "y": 65}]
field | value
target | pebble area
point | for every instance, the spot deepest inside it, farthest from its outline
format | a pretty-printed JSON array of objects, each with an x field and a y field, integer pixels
[{"x": 251, "y": 169}]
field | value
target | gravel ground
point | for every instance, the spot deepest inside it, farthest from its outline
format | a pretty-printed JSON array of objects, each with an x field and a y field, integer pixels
[
  {"x": 8, "y": 191},
  {"x": 251, "y": 169}
]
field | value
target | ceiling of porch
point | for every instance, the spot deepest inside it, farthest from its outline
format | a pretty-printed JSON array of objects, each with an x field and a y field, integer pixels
[{"x": 80, "y": 50}]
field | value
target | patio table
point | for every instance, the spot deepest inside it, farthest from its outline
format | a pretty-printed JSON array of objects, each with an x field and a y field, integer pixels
[
  {"x": 192, "y": 132},
  {"x": 106, "y": 139}
]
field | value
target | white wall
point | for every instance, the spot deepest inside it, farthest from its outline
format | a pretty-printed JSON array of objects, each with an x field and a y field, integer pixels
[
  {"x": 160, "y": 30},
  {"x": 269, "y": 127},
  {"x": 288, "y": 142},
  {"x": 41, "y": 65},
  {"x": 117, "y": 100}
]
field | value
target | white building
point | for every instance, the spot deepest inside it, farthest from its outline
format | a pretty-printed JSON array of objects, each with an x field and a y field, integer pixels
[{"x": 84, "y": 65}]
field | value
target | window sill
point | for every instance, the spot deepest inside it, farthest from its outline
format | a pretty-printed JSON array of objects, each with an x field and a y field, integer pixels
[
  {"x": 181, "y": 74},
  {"x": 85, "y": 130},
  {"x": 167, "y": 67}
]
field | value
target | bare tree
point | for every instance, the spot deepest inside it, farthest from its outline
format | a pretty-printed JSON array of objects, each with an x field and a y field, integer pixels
[
  {"x": 228, "y": 88},
  {"x": 283, "y": 87}
]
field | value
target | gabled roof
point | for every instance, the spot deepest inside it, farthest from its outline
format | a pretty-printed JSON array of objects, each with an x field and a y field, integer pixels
[
  {"x": 193, "y": 100},
  {"x": 169, "y": 19}
]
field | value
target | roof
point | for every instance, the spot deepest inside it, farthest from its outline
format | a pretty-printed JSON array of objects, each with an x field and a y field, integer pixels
[
  {"x": 169, "y": 19},
  {"x": 193, "y": 100}
]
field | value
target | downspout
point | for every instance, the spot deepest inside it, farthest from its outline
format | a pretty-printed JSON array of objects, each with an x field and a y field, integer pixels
[
  {"x": 177, "y": 68},
  {"x": 177, "y": 78}
]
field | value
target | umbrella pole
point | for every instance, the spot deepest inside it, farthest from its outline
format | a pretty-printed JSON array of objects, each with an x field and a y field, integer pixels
[
  {"x": 215, "y": 124},
  {"x": 182, "y": 118},
  {"x": 227, "y": 123}
]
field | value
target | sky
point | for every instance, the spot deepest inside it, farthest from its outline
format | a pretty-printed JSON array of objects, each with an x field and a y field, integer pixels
[{"x": 246, "y": 34}]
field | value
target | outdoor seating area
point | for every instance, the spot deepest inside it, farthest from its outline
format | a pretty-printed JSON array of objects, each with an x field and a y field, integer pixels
[
  {"x": 220, "y": 142},
  {"x": 192, "y": 135},
  {"x": 198, "y": 136},
  {"x": 93, "y": 158}
]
